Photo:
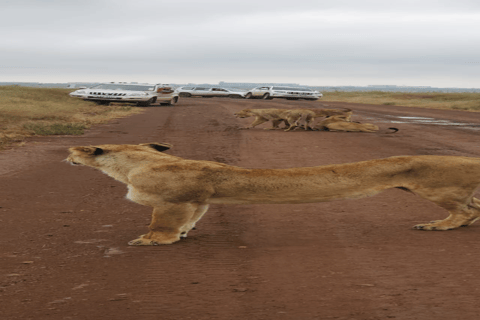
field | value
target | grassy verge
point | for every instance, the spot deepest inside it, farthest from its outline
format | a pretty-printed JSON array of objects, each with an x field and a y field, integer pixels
[
  {"x": 28, "y": 111},
  {"x": 456, "y": 101}
]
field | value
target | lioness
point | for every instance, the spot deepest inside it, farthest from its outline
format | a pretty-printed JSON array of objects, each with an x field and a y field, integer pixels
[
  {"x": 181, "y": 190},
  {"x": 337, "y": 123}
]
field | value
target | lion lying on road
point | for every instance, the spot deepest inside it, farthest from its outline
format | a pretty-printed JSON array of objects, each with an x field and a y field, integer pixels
[
  {"x": 289, "y": 116},
  {"x": 181, "y": 190},
  {"x": 343, "y": 114},
  {"x": 336, "y": 123}
]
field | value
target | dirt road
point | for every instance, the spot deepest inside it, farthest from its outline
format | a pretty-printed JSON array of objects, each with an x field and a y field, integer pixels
[{"x": 64, "y": 229}]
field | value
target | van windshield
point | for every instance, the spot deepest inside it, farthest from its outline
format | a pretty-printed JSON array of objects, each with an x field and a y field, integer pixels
[
  {"x": 291, "y": 89},
  {"x": 112, "y": 86}
]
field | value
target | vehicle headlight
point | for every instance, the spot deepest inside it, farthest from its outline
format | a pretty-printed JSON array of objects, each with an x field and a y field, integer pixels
[{"x": 136, "y": 94}]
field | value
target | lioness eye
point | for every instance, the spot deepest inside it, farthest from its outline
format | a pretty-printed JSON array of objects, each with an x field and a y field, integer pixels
[{"x": 98, "y": 151}]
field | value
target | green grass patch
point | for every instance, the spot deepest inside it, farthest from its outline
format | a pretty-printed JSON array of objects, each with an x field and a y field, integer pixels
[{"x": 55, "y": 129}]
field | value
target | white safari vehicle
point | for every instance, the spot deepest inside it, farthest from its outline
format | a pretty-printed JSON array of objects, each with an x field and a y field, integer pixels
[
  {"x": 291, "y": 93},
  {"x": 210, "y": 92},
  {"x": 143, "y": 94}
]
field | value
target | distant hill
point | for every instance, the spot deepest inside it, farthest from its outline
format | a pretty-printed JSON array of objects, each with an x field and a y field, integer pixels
[{"x": 250, "y": 85}]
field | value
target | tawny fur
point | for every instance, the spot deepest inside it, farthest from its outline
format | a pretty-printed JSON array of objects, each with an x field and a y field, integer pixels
[{"x": 181, "y": 190}]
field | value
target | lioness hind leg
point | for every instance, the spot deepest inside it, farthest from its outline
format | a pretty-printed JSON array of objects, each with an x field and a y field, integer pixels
[
  {"x": 286, "y": 123},
  {"x": 457, "y": 218},
  {"x": 201, "y": 210},
  {"x": 458, "y": 200},
  {"x": 293, "y": 123},
  {"x": 475, "y": 204},
  {"x": 167, "y": 224},
  {"x": 307, "y": 121},
  {"x": 309, "y": 125}
]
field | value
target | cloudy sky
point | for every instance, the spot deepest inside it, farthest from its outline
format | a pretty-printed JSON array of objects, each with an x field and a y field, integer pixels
[{"x": 341, "y": 42}]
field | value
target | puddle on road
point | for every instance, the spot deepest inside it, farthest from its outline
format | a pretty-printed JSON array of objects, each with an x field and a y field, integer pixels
[
  {"x": 112, "y": 251},
  {"x": 412, "y": 117},
  {"x": 432, "y": 121}
]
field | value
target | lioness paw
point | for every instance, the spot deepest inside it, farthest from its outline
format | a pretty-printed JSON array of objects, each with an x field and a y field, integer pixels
[
  {"x": 431, "y": 227},
  {"x": 150, "y": 242},
  {"x": 143, "y": 242}
]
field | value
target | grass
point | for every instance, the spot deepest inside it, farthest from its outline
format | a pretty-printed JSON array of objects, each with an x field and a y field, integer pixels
[
  {"x": 39, "y": 129},
  {"x": 455, "y": 101},
  {"x": 28, "y": 111}
]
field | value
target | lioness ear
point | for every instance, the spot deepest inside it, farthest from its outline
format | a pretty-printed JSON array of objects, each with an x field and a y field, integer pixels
[
  {"x": 89, "y": 150},
  {"x": 158, "y": 146}
]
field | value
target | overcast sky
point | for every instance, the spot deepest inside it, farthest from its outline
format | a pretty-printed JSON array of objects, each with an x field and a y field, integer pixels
[{"x": 341, "y": 42}]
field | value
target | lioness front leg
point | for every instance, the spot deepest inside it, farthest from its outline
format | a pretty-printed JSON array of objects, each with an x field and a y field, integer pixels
[{"x": 167, "y": 224}]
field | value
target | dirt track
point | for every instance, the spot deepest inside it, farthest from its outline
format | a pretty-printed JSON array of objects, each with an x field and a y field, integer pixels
[{"x": 64, "y": 229}]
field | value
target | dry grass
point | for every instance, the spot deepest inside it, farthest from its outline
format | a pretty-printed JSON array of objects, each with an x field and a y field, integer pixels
[
  {"x": 37, "y": 111},
  {"x": 456, "y": 101}
]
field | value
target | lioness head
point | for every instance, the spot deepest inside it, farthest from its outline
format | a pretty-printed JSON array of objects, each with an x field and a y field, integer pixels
[
  {"x": 245, "y": 113},
  {"x": 92, "y": 156}
]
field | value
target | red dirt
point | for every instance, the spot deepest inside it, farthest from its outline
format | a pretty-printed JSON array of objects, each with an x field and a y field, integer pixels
[{"x": 64, "y": 229}]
